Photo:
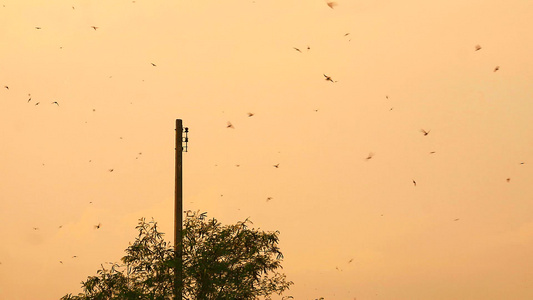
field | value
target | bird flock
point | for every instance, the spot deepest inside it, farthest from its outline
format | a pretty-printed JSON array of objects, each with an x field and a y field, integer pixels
[
  {"x": 31, "y": 99},
  {"x": 229, "y": 125}
]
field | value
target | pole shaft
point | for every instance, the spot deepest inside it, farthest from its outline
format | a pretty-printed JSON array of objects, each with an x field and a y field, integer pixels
[{"x": 178, "y": 215}]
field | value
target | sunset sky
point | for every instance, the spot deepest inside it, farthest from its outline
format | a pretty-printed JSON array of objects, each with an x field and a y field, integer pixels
[{"x": 464, "y": 231}]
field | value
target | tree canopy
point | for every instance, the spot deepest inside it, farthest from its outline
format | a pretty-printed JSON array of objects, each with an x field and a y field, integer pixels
[{"x": 219, "y": 262}]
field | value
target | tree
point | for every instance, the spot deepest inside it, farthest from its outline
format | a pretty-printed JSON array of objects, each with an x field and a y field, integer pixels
[{"x": 219, "y": 262}]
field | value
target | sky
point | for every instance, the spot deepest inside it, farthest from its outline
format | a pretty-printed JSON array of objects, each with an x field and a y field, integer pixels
[{"x": 447, "y": 215}]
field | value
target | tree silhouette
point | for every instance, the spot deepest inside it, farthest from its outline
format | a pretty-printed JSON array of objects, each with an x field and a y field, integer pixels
[{"x": 219, "y": 262}]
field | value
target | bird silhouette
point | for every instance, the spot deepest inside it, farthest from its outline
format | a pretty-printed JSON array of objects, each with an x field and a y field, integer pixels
[
  {"x": 55, "y": 102},
  {"x": 230, "y": 125},
  {"x": 478, "y": 47},
  {"x": 94, "y": 27},
  {"x": 297, "y": 49},
  {"x": 6, "y": 87},
  {"x": 35, "y": 228},
  {"x": 97, "y": 226},
  {"x": 111, "y": 170},
  {"x": 496, "y": 68},
  {"x": 37, "y": 27},
  {"x": 456, "y": 219},
  {"x": 332, "y": 4},
  {"x": 508, "y": 179},
  {"x": 268, "y": 199},
  {"x": 37, "y": 103},
  {"x": 154, "y": 65},
  {"x": 370, "y": 155},
  {"x": 425, "y": 132},
  {"x": 74, "y": 256},
  {"x": 276, "y": 166},
  {"x": 328, "y": 78},
  {"x": 414, "y": 182},
  {"x": 29, "y": 99},
  {"x": 250, "y": 114}
]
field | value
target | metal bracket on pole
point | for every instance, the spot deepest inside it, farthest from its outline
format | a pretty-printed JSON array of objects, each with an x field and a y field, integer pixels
[{"x": 185, "y": 139}]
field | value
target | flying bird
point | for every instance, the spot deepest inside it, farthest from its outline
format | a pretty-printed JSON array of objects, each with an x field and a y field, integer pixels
[
  {"x": 230, "y": 125},
  {"x": 35, "y": 228},
  {"x": 97, "y": 226},
  {"x": 60, "y": 226},
  {"x": 250, "y": 114},
  {"x": 94, "y": 27},
  {"x": 37, "y": 27},
  {"x": 37, "y": 103},
  {"x": 55, "y": 102},
  {"x": 111, "y": 170},
  {"x": 508, "y": 179},
  {"x": 350, "y": 260},
  {"x": 276, "y": 166},
  {"x": 346, "y": 34},
  {"x": 29, "y": 99},
  {"x": 297, "y": 49},
  {"x": 478, "y": 47},
  {"x": 496, "y": 68},
  {"x": 74, "y": 256},
  {"x": 432, "y": 152},
  {"x": 414, "y": 182},
  {"x": 456, "y": 219},
  {"x": 332, "y": 4},
  {"x": 60, "y": 262},
  {"x": 425, "y": 132},
  {"x": 370, "y": 155},
  {"x": 154, "y": 65},
  {"x": 6, "y": 87},
  {"x": 328, "y": 78},
  {"x": 268, "y": 199}
]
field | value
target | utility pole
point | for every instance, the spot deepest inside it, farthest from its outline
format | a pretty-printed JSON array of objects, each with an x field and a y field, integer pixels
[{"x": 178, "y": 209}]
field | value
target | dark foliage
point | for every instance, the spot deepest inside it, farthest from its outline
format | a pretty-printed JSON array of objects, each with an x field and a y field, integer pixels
[{"x": 219, "y": 262}]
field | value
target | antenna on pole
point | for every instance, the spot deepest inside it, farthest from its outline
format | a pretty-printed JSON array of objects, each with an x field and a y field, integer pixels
[{"x": 178, "y": 209}]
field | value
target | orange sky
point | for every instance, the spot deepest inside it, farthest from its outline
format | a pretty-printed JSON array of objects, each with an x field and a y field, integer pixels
[{"x": 399, "y": 67}]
